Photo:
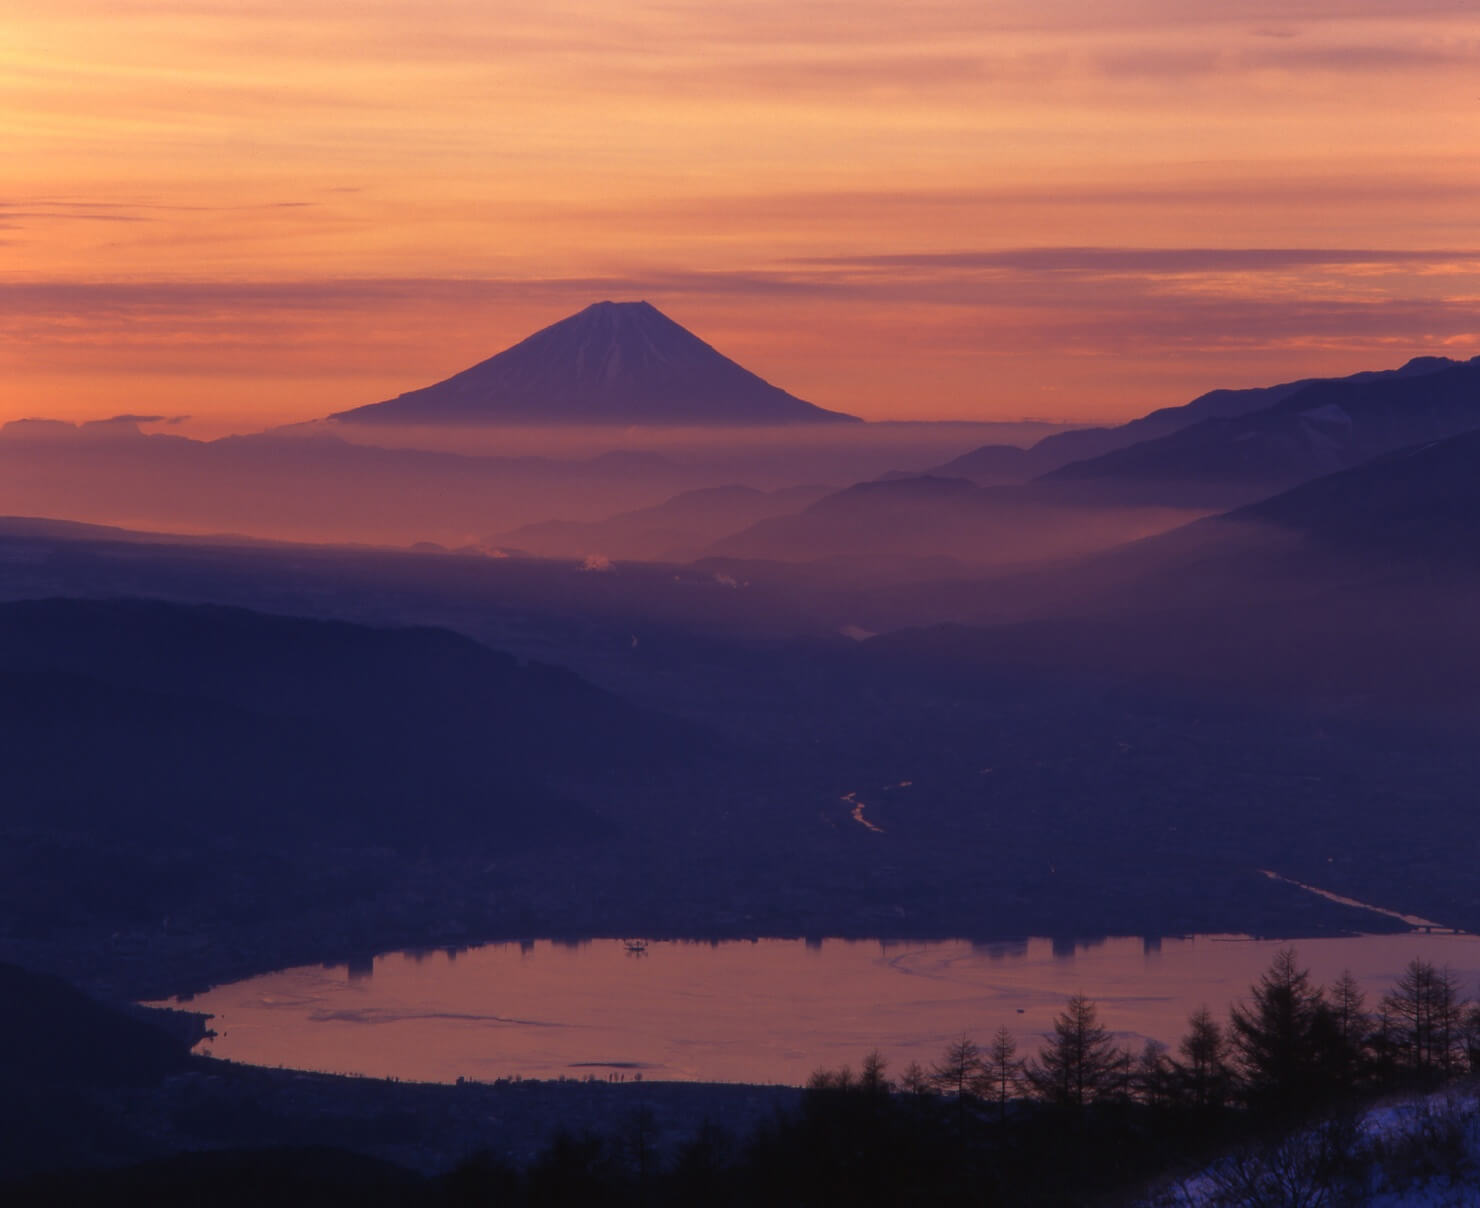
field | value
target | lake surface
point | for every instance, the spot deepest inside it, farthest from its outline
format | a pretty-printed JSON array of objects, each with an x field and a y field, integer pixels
[{"x": 749, "y": 1011}]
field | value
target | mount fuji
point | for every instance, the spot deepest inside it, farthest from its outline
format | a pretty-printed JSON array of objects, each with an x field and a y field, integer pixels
[{"x": 614, "y": 362}]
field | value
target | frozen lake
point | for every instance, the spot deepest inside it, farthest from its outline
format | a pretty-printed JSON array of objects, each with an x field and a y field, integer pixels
[{"x": 749, "y": 1011}]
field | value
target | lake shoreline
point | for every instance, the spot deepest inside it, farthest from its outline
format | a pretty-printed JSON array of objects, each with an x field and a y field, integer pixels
[{"x": 751, "y": 1011}]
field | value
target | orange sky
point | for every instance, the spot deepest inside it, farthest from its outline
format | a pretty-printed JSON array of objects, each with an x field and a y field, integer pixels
[{"x": 251, "y": 210}]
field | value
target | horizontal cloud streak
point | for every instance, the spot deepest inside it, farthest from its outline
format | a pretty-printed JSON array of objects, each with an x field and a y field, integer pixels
[
  {"x": 944, "y": 207},
  {"x": 925, "y": 275},
  {"x": 1105, "y": 297},
  {"x": 1153, "y": 260}
]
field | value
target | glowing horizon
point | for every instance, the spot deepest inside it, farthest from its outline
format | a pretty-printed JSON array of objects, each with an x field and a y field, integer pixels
[{"x": 259, "y": 212}]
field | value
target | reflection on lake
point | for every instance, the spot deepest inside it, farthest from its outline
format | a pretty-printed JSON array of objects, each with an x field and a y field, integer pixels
[{"x": 761, "y": 1011}]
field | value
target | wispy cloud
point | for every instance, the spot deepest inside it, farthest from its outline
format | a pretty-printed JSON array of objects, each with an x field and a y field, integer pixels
[
  {"x": 1102, "y": 298},
  {"x": 369, "y": 192},
  {"x": 1152, "y": 260}
]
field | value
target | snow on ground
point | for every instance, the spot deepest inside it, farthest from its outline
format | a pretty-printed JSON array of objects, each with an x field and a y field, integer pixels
[{"x": 1416, "y": 1152}]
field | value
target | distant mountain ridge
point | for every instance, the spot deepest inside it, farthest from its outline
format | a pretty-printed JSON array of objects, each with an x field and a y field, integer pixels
[
  {"x": 1358, "y": 589},
  {"x": 1323, "y": 427},
  {"x": 613, "y": 363},
  {"x": 1419, "y": 504},
  {"x": 1001, "y": 463},
  {"x": 1248, "y": 445}
]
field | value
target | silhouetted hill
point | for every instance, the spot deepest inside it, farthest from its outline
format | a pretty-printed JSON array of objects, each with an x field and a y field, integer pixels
[
  {"x": 128, "y": 715},
  {"x": 52, "y": 1033},
  {"x": 1256, "y": 443},
  {"x": 1322, "y": 427},
  {"x": 1359, "y": 586},
  {"x": 1419, "y": 504},
  {"x": 64, "y": 1058},
  {"x": 1001, "y": 463},
  {"x": 613, "y": 363}
]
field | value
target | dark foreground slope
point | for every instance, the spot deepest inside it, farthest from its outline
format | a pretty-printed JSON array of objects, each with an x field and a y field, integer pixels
[
  {"x": 53, "y": 1034},
  {"x": 62, "y": 1052}
]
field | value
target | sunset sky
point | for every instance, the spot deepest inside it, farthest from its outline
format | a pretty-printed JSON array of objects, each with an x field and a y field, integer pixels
[{"x": 253, "y": 210}]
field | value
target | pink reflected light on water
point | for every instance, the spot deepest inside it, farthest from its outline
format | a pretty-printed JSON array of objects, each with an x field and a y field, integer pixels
[{"x": 758, "y": 1011}]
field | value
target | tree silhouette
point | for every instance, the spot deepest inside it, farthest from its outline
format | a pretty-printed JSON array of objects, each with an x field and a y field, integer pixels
[
  {"x": 1351, "y": 1029},
  {"x": 1200, "y": 1071},
  {"x": 959, "y": 1069},
  {"x": 1080, "y": 1063},
  {"x": 1153, "y": 1079},
  {"x": 914, "y": 1079},
  {"x": 1425, "y": 1016},
  {"x": 872, "y": 1078},
  {"x": 1277, "y": 1037},
  {"x": 1001, "y": 1072},
  {"x": 958, "y": 1073}
]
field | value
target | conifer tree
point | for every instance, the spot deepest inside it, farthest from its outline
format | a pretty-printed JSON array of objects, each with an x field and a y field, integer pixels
[
  {"x": 1201, "y": 1070},
  {"x": 1425, "y": 1011},
  {"x": 1275, "y": 1037},
  {"x": 1080, "y": 1063},
  {"x": 1001, "y": 1070}
]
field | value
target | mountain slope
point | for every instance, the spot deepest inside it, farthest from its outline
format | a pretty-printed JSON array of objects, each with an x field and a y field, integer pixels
[
  {"x": 1321, "y": 428},
  {"x": 1359, "y": 587},
  {"x": 141, "y": 717},
  {"x": 1001, "y": 463},
  {"x": 614, "y": 362},
  {"x": 1419, "y": 504}
]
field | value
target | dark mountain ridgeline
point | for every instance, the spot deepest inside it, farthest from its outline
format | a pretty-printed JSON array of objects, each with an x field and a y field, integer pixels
[
  {"x": 1322, "y": 427},
  {"x": 1359, "y": 585},
  {"x": 66, "y": 1061},
  {"x": 1276, "y": 437},
  {"x": 1008, "y": 463},
  {"x": 613, "y": 363},
  {"x": 53, "y": 1034},
  {"x": 127, "y": 715},
  {"x": 1419, "y": 506}
]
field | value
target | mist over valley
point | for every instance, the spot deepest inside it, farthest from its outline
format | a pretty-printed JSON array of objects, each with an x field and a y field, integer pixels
[{"x": 297, "y": 698}]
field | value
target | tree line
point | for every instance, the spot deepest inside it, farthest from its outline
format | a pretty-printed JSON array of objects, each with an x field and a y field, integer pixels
[
  {"x": 1081, "y": 1117},
  {"x": 1292, "y": 1046}
]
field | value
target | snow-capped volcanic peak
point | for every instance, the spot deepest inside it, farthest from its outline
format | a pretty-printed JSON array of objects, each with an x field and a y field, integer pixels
[{"x": 614, "y": 362}]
